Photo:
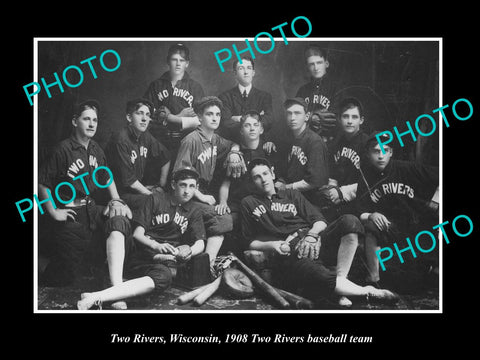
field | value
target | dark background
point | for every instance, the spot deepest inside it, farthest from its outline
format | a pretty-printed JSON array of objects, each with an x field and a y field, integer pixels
[
  {"x": 408, "y": 335},
  {"x": 398, "y": 80}
]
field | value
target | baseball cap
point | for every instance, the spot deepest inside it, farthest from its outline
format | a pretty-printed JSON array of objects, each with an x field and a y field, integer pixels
[
  {"x": 185, "y": 172},
  {"x": 207, "y": 101},
  {"x": 78, "y": 108},
  {"x": 179, "y": 48},
  {"x": 133, "y": 103},
  {"x": 295, "y": 100},
  {"x": 373, "y": 138},
  {"x": 258, "y": 161}
]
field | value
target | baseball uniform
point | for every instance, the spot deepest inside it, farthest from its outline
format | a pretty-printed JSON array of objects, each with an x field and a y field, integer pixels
[
  {"x": 72, "y": 242},
  {"x": 319, "y": 93},
  {"x": 165, "y": 221}
]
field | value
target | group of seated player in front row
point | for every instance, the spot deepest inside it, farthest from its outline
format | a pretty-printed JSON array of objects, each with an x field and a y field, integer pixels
[{"x": 307, "y": 212}]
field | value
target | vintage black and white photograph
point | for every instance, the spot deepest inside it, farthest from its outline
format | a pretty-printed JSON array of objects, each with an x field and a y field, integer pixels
[{"x": 238, "y": 175}]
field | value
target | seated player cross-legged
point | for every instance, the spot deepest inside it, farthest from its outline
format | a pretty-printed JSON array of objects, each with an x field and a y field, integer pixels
[
  {"x": 169, "y": 230},
  {"x": 269, "y": 218}
]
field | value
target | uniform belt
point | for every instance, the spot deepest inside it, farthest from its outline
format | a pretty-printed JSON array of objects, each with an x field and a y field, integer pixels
[{"x": 79, "y": 202}]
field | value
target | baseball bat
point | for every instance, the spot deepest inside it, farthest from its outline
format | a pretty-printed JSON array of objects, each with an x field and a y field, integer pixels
[
  {"x": 262, "y": 284},
  {"x": 207, "y": 292},
  {"x": 189, "y": 296},
  {"x": 296, "y": 301}
]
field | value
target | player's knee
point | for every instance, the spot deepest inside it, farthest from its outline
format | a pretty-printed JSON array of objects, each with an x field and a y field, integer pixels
[
  {"x": 351, "y": 224},
  {"x": 161, "y": 275},
  {"x": 119, "y": 224}
]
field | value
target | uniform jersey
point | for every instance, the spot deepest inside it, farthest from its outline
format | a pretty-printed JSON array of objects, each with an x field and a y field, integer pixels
[
  {"x": 128, "y": 153},
  {"x": 234, "y": 104},
  {"x": 198, "y": 151},
  {"x": 69, "y": 160},
  {"x": 400, "y": 192},
  {"x": 161, "y": 92},
  {"x": 345, "y": 157},
  {"x": 307, "y": 160},
  {"x": 283, "y": 214},
  {"x": 164, "y": 220},
  {"x": 319, "y": 93}
]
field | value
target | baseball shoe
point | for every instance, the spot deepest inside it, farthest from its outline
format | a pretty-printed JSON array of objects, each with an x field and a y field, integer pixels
[
  {"x": 87, "y": 301},
  {"x": 381, "y": 295}
]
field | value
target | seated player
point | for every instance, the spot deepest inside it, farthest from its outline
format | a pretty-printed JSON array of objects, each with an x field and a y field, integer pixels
[
  {"x": 241, "y": 98},
  {"x": 79, "y": 225},
  {"x": 270, "y": 217},
  {"x": 394, "y": 202},
  {"x": 168, "y": 230},
  {"x": 345, "y": 152},
  {"x": 306, "y": 168},
  {"x": 129, "y": 150},
  {"x": 201, "y": 149}
]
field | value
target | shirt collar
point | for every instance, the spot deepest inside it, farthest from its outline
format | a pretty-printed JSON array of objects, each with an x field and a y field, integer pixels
[
  {"x": 76, "y": 145},
  {"x": 203, "y": 136},
  {"x": 133, "y": 135},
  {"x": 243, "y": 88}
]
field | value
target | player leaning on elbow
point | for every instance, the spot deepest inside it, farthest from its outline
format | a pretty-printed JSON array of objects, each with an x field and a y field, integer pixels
[
  {"x": 284, "y": 224},
  {"x": 79, "y": 228}
]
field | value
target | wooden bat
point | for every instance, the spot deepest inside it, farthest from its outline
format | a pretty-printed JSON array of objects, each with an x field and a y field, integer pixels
[
  {"x": 207, "y": 292},
  {"x": 296, "y": 301},
  {"x": 187, "y": 297},
  {"x": 262, "y": 284}
]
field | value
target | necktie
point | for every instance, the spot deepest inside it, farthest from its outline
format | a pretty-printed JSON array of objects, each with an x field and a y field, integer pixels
[{"x": 244, "y": 95}]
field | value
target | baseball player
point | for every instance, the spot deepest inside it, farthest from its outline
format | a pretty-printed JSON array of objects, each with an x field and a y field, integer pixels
[
  {"x": 395, "y": 199},
  {"x": 173, "y": 96},
  {"x": 202, "y": 149},
  {"x": 80, "y": 226},
  {"x": 168, "y": 230},
  {"x": 345, "y": 152},
  {"x": 129, "y": 150},
  {"x": 285, "y": 224},
  {"x": 306, "y": 168},
  {"x": 319, "y": 92},
  {"x": 241, "y": 98}
]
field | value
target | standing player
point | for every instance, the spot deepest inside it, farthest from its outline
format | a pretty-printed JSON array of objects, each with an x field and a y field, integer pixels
[
  {"x": 319, "y": 92},
  {"x": 345, "y": 152},
  {"x": 270, "y": 217},
  {"x": 306, "y": 168},
  {"x": 243, "y": 97},
  {"x": 394, "y": 202},
  {"x": 173, "y": 96},
  {"x": 168, "y": 229},
  {"x": 129, "y": 150},
  {"x": 201, "y": 149},
  {"x": 79, "y": 225}
]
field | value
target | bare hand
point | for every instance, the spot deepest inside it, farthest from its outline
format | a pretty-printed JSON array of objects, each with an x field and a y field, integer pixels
[
  {"x": 281, "y": 247},
  {"x": 268, "y": 147},
  {"x": 116, "y": 208},
  {"x": 222, "y": 209},
  {"x": 165, "y": 248},
  {"x": 235, "y": 166},
  {"x": 63, "y": 214},
  {"x": 208, "y": 199},
  {"x": 280, "y": 185},
  {"x": 380, "y": 221}
]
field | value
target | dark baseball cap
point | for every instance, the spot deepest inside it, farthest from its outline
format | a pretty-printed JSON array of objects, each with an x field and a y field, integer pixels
[
  {"x": 295, "y": 100},
  {"x": 131, "y": 104},
  {"x": 372, "y": 138},
  {"x": 258, "y": 161},
  {"x": 184, "y": 172},
  {"x": 78, "y": 108},
  {"x": 201, "y": 104}
]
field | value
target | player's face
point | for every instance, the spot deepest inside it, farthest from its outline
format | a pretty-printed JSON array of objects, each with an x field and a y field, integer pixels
[
  {"x": 184, "y": 190},
  {"x": 251, "y": 129},
  {"x": 140, "y": 118},
  {"x": 350, "y": 121},
  {"x": 86, "y": 124},
  {"x": 263, "y": 178},
  {"x": 244, "y": 73},
  {"x": 177, "y": 65},
  {"x": 296, "y": 117},
  {"x": 317, "y": 66},
  {"x": 377, "y": 159},
  {"x": 210, "y": 118}
]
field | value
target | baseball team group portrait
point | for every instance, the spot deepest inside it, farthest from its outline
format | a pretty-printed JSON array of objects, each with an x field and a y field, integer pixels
[{"x": 259, "y": 188}]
